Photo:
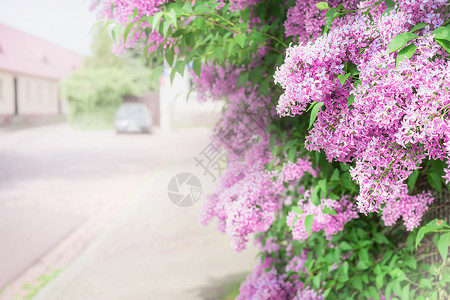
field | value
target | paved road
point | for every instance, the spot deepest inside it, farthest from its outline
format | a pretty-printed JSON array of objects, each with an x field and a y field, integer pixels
[{"x": 82, "y": 181}]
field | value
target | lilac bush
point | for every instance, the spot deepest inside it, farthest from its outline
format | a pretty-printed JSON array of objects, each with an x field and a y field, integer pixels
[{"x": 336, "y": 130}]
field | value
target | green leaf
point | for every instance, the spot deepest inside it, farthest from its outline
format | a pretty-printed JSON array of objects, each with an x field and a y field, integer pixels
[
  {"x": 425, "y": 283},
  {"x": 397, "y": 273},
  {"x": 171, "y": 17},
  {"x": 330, "y": 16},
  {"x": 311, "y": 106},
  {"x": 329, "y": 211},
  {"x": 218, "y": 53},
  {"x": 399, "y": 41},
  {"x": 115, "y": 33},
  {"x": 412, "y": 180},
  {"x": 351, "y": 99},
  {"x": 293, "y": 222},
  {"x": 241, "y": 39},
  {"x": 314, "y": 112},
  {"x": 410, "y": 262},
  {"x": 347, "y": 182},
  {"x": 197, "y": 66},
  {"x": 435, "y": 181},
  {"x": 322, "y": 5},
  {"x": 298, "y": 210},
  {"x": 438, "y": 167},
  {"x": 405, "y": 292},
  {"x": 180, "y": 66},
  {"x": 387, "y": 11},
  {"x": 187, "y": 7},
  {"x": 418, "y": 26},
  {"x": 344, "y": 246},
  {"x": 315, "y": 199},
  {"x": 335, "y": 175},
  {"x": 352, "y": 69},
  {"x": 345, "y": 268},
  {"x": 407, "y": 52},
  {"x": 172, "y": 75},
  {"x": 357, "y": 283},
  {"x": 243, "y": 79},
  {"x": 201, "y": 8},
  {"x": 127, "y": 31},
  {"x": 291, "y": 154},
  {"x": 166, "y": 27},
  {"x": 373, "y": 293},
  {"x": 272, "y": 140},
  {"x": 169, "y": 54},
  {"x": 433, "y": 295},
  {"x": 379, "y": 281},
  {"x": 388, "y": 290},
  {"x": 389, "y": 3},
  {"x": 343, "y": 78},
  {"x": 362, "y": 265},
  {"x": 443, "y": 244},
  {"x": 422, "y": 231},
  {"x": 323, "y": 185},
  {"x": 445, "y": 44},
  {"x": 264, "y": 86},
  {"x": 397, "y": 287},
  {"x": 157, "y": 73},
  {"x": 156, "y": 18},
  {"x": 308, "y": 223},
  {"x": 442, "y": 33},
  {"x": 380, "y": 238},
  {"x": 363, "y": 254},
  {"x": 257, "y": 37}
]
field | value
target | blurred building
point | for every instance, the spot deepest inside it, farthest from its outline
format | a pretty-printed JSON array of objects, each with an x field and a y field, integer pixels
[{"x": 30, "y": 71}]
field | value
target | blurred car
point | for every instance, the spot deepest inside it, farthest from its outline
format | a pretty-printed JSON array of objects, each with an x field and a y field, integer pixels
[{"x": 133, "y": 117}]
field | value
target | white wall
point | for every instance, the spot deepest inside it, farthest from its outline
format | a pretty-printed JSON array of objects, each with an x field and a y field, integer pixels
[
  {"x": 6, "y": 94},
  {"x": 36, "y": 96}
]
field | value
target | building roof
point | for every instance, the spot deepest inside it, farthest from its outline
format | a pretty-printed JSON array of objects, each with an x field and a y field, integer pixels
[{"x": 23, "y": 53}]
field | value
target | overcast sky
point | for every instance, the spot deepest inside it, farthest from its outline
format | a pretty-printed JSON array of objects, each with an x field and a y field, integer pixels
[{"x": 63, "y": 22}]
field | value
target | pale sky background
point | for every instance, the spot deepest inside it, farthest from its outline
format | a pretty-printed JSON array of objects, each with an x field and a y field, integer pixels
[{"x": 63, "y": 22}]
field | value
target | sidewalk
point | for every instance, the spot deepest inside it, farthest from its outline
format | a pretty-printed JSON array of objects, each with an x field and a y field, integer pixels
[{"x": 153, "y": 250}]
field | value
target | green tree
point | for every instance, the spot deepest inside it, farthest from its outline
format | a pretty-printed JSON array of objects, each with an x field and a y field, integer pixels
[{"x": 102, "y": 57}]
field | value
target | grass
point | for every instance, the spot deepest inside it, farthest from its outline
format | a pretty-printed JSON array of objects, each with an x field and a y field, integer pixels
[
  {"x": 29, "y": 290},
  {"x": 231, "y": 290}
]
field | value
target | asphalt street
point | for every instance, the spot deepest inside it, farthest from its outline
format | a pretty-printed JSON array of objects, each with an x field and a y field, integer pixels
[{"x": 63, "y": 193}]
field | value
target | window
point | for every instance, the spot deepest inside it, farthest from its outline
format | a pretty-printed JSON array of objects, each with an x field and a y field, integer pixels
[
  {"x": 39, "y": 92},
  {"x": 28, "y": 91},
  {"x": 1, "y": 89}
]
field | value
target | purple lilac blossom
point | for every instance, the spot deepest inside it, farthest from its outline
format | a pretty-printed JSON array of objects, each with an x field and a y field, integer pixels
[
  {"x": 120, "y": 10},
  {"x": 397, "y": 118}
]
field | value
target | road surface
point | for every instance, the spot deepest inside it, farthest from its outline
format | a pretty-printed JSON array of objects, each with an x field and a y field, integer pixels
[{"x": 92, "y": 207}]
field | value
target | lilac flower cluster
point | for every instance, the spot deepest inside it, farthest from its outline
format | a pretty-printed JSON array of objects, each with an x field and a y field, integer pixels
[
  {"x": 305, "y": 21},
  {"x": 266, "y": 285},
  {"x": 248, "y": 197},
  {"x": 246, "y": 200},
  {"x": 120, "y": 10},
  {"x": 398, "y": 114},
  {"x": 242, "y": 4},
  {"x": 292, "y": 171},
  {"x": 215, "y": 82},
  {"x": 274, "y": 284},
  {"x": 409, "y": 208},
  {"x": 246, "y": 115},
  {"x": 331, "y": 224}
]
